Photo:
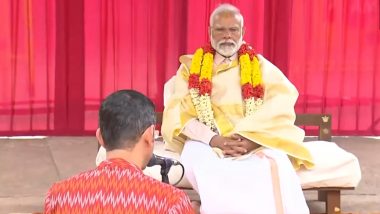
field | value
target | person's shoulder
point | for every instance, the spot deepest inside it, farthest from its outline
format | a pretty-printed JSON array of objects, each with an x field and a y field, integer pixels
[
  {"x": 186, "y": 60},
  {"x": 270, "y": 71},
  {"x": 158, "y": 184},
  {"x": 273, "y": 76},
  {"x": 185, "y": 57},
  {"x": 264, "y": 61},
  {"x": 164, "y": 187},
  {"x": 71, "y": 182}
]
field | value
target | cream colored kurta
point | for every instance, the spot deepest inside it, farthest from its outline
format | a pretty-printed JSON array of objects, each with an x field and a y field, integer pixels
[{"x": 272, "y": 126}]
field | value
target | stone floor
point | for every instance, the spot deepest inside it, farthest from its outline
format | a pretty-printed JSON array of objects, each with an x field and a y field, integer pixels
[{"x": 29, "y": 166}]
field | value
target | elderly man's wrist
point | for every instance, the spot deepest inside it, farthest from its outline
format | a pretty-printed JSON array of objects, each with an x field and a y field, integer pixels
[{"x": 214, "y": 141}]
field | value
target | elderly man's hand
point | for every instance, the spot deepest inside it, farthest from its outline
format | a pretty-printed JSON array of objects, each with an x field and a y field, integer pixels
[
  {"x": 234, "y": 146},
  {"x": 222, "y": 142},
  {"x": 239, "y": 146}
]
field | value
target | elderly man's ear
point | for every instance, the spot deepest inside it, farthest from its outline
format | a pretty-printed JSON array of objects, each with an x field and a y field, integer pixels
[{"x": 99, "y": 137}]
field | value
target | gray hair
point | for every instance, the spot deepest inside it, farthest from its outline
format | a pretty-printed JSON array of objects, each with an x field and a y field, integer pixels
[{"x": 226, "y": 8}]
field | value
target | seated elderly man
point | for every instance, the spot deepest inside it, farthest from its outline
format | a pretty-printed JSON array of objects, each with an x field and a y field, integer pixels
[{"x": 232, "y": 117}]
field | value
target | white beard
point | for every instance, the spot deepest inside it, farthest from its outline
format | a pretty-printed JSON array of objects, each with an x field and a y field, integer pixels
[{"x": 226, "y": 47}]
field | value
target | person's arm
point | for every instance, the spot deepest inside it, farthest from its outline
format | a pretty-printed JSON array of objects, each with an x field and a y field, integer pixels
[
  {"x": 231, "y": 146},
  {"x": 198, "y": 131},
  {"x": 182, "y": 205},
  {"x": 48, "y": 205}
]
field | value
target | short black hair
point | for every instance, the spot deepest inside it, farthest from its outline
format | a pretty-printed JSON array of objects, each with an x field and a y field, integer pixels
[{"x": 123, "y": 117}]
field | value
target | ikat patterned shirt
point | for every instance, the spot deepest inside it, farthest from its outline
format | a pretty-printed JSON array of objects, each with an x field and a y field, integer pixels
[{"x": 115, "y": 186}]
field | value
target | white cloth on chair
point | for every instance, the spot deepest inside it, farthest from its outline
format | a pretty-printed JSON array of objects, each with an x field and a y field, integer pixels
[{"x": 334, "y": 167}]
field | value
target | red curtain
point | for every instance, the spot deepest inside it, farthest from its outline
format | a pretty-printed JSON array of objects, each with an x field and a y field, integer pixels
[
  {"x": 334, "y": 62},
  {"x": 59, "y": 59},
  {"x": 27, "y": 66}
]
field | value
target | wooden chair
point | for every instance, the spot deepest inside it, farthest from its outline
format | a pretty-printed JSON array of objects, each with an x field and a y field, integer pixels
[{"x": 329, "y": 195}]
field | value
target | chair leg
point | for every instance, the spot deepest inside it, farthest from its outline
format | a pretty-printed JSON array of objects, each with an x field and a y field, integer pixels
[{"x": 333, "y": 202}]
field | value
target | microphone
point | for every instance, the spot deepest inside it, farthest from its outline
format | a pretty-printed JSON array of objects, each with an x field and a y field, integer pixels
[
  {"x": 162, "y": 161},
  {"x": 165, "y": 164}
]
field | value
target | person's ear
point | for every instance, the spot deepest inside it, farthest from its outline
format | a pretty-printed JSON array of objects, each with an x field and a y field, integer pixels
[
  {"x": 148, "y": 135},
  {"x": 242, "y": 31},
  {"x": 209, "y": 31},
  {"x": 99, "y": 137}
]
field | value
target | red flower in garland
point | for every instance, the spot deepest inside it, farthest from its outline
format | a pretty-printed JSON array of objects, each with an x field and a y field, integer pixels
[
  {"x": 258, "y": 91},
  {"x": 205, "y": 87},
  {"x": 246, "y": 49},
  {"x": 247, "y": 90},
  {"x": 209, "y": 49},
  {"x": 194, "y": 81}
]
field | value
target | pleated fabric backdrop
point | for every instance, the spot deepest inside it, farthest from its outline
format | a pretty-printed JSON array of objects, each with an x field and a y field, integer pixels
[{"x": 59, "y": 59}]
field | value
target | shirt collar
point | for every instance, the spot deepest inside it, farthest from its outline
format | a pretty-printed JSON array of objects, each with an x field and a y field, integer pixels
[
  {"x": 219, "y": 59},
  {"x": 118, "y": 162}
]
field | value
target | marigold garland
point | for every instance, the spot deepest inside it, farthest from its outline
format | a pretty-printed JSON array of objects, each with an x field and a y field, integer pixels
[{"x": 200, "y": 82}]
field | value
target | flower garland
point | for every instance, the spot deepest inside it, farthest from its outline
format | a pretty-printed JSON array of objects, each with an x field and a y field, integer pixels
[
  {"x": 250, "y": 79},
  {"x": 200, "y": 84}
]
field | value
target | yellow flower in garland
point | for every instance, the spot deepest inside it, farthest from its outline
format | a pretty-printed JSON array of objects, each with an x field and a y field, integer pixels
[
  {"x": 245, "y": 69},
  {"x": 196, "y": 62},
  {"x": 256, "y": 77},
  {"x": 207, "y": 63},
  {"x": 200, "y": 82}
]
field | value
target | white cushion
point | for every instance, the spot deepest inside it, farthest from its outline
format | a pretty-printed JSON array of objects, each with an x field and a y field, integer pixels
[{"x": 334, "y": 167}]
